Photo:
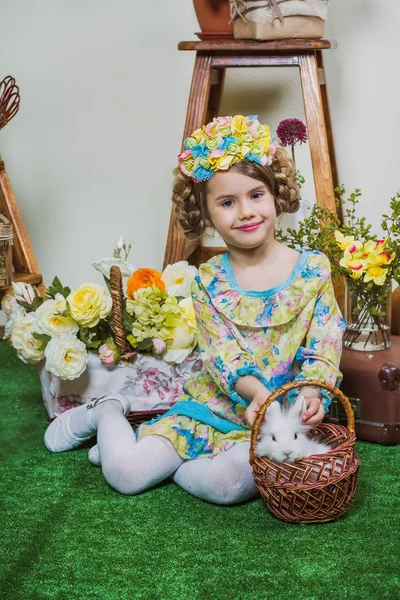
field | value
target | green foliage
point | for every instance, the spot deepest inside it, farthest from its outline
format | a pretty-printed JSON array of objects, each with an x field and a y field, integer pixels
[
  {"x": 317, "y": 230},
  {"x": 57, "y": 288}
]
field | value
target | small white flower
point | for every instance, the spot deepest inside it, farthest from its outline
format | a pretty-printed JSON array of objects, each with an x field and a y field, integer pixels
[
  {"x": 66, "y": 356},
  {"x": 9, "y": 302},
  {"x": 61, "y": 303},
  {"x": 13, "y": 318},
  {"x": 24, "y": 292},
  {"x": 178, "y": 278},
  {"x": 104, "y": 265},
  {"x": 28, "y": 348},
  {"x": 120, "y": 243},
  {"x": 52, "y": 322}
]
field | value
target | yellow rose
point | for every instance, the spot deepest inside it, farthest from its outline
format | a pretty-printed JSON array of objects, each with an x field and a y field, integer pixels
[
  {"x": 89, "y": 303},
  {"x": 238, "y": 124},
  {"x": 224, "y": 162}
]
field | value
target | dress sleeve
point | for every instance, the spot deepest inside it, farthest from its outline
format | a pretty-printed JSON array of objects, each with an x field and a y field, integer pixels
[
  {"x": 320, "y": 355},
  {"x": 223, "y": 349}
]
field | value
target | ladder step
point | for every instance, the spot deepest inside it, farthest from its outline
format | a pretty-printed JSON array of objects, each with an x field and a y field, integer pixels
[{"x": 33, "y": 278}]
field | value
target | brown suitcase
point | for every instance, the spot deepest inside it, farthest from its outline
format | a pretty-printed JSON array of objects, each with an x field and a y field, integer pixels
[{"x": 371, "y": 381}]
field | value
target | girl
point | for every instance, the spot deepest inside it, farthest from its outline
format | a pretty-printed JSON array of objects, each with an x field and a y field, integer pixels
[{"x": 266, "y": 315}]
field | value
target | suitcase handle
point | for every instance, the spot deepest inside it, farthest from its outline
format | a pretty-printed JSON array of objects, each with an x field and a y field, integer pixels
[{"x": 292, "y": 386}]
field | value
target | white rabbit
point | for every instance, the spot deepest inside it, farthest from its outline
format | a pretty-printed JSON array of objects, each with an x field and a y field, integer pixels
[{"x": 283, "y": 436}]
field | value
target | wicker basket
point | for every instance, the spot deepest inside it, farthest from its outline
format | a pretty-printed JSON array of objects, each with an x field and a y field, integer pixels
[
  {"x": 317, "y": 488},
  {"x": 138, "y": 417}
]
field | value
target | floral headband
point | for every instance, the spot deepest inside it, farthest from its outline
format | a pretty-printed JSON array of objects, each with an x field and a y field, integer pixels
[{"x": 222, "y": 143}]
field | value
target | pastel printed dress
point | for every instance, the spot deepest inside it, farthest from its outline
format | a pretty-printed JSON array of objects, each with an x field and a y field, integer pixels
[{"x": 290, "y": 332}]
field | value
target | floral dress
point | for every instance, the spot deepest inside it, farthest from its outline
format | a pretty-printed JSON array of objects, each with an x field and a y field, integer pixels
[{"x": 293, "y": 331}]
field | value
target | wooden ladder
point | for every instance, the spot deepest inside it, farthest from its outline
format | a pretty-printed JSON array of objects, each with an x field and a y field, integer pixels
[
  {"x": 24, "y": 263},
  {"x": 212, "y": 60}
]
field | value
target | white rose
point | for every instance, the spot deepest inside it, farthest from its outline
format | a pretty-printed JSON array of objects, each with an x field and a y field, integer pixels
[
  {"x": 178, "y": 278},
  {"x": 66, "y": 356},
  {"x": 52, "y": 322},
  {"x": 9, "y": 302},
  {"x": 28, "y": 348},
  {"x": 13, "y": 318},
  {"x": 104, "y": 265},
  {"x": 184, "y": 337}
]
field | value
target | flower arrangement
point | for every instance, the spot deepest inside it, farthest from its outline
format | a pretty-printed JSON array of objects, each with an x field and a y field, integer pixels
[
  {"x": 369, "y": 264},
  {"x": 223, "y": 142},
  {"x": 63, "y": 326}
]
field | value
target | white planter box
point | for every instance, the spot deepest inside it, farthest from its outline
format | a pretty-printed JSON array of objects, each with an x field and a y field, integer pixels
[{"x": 149, "y": 382}]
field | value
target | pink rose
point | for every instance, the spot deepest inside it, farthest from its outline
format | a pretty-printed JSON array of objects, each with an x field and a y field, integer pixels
[
  {"x": 159, "y": 345},
  {"x": 108, "y": 354}
]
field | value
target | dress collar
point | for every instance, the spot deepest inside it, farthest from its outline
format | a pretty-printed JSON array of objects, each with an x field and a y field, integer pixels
[{"x": 275, "y": 306}]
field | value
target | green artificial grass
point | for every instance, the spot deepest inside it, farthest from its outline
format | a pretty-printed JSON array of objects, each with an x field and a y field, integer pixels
[{"x": 66, "y": 535}]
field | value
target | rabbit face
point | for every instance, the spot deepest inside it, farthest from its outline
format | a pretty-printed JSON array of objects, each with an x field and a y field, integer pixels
[{"x": 283, "y": 436}]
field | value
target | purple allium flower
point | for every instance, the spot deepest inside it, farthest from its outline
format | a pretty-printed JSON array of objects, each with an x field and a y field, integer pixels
[{"x": 291, "y": 131}]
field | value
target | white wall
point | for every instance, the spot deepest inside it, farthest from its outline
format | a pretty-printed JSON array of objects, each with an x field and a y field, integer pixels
[{"x": 104, "y": 94}]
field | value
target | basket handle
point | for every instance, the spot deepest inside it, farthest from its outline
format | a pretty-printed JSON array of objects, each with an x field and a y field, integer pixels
[
  {"x": 118, "y": 309},
  {"x": 291, "y": 386}
]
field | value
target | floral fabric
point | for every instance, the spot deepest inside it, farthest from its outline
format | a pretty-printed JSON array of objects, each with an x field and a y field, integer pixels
[
  {"x": 290, "y": 332},
  {"x": 149, "y": 383}
]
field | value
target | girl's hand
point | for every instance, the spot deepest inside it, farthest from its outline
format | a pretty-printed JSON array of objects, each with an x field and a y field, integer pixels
[
  {"x": 255, "y": 405},
  {"x": 315, "y": 411}
]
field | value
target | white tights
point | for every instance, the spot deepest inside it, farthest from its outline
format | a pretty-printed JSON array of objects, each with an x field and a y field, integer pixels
[{"x": 131, "y": 466}]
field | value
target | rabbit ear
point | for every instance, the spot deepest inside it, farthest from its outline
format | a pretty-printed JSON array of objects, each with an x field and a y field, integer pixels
[
  {"x": 299, "y": 405},
  {"x": 273, "y": 410}
]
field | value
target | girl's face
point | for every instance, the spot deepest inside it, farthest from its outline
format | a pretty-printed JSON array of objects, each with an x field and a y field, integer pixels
[{"x": 241, "y": 209}]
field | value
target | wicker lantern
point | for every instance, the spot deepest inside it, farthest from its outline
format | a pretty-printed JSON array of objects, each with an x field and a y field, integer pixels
[{"x": 6, "y": 240}]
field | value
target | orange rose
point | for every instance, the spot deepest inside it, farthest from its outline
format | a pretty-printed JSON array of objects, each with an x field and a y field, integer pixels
[{"x": 143, "y": 278}]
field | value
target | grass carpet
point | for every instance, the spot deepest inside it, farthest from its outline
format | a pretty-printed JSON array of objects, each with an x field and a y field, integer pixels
[{"x": 66, "y": 535}]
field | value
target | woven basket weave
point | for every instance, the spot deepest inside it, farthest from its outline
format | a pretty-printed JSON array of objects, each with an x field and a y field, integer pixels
[
  {"x": 116, "y": 289},
  {"x": 317, "y": 488}
]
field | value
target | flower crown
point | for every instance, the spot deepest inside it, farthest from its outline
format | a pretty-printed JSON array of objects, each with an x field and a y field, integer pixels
[{"x": 223, "y": 142}]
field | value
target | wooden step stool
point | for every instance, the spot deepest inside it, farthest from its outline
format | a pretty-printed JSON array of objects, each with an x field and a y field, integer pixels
[{"x": 212, "y": 59}]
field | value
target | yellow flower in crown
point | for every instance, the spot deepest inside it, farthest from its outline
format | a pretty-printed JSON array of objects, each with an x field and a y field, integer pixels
[{"x": 223, "y": 142}]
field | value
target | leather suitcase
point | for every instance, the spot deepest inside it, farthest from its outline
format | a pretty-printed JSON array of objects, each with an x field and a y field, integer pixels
[{"x": 371, "y": 381}]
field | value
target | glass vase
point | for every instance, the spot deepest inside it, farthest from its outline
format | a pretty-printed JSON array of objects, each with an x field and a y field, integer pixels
[{"x": 367, "y": 315}]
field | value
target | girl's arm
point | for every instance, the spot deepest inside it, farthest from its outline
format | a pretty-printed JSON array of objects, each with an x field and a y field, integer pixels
[
  {"x": 224, "y": 352},
  {"x": 320, "y": 355}
]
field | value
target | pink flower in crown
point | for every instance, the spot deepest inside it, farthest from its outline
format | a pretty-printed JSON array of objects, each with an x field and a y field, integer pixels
[
  {"x": 223, "y": 121},
  {"x": 264, "y": 160},
  {"x": 212, "y": 127},
  {"x": 272, "y": 149},
  {"x": 184, "y": 155},
  {"x": 216, "y": 153}
]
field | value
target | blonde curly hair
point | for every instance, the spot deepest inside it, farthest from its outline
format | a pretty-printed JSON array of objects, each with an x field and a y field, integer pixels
[{"x": 190, "y": 198}]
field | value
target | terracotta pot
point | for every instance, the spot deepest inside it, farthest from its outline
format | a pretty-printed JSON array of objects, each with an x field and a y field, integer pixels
[{"x": 213, "y": 16}]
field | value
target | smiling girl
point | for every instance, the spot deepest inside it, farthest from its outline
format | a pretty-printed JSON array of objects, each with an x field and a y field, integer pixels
[{"x": 266, "y": 315}]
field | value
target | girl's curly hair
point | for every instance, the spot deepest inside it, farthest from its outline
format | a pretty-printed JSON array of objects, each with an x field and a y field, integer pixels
[{"x": 190, "y": 198}]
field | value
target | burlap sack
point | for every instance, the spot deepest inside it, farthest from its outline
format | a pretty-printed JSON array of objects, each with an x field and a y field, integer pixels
[{"x": 278, "y": 19}]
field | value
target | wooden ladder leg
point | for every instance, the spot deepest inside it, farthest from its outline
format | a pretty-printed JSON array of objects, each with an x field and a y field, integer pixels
[
  {"x": 328, "y": 125},
  {"x": 317, "y": 131},
  {"x": 203, "y": 100},
  {"x": 319, "y": 145}
]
